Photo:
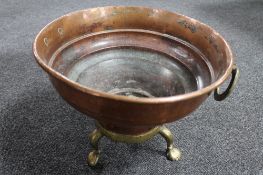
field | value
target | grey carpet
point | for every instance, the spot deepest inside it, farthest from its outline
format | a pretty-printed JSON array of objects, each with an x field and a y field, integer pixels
[{"x": 42, "y": 134}]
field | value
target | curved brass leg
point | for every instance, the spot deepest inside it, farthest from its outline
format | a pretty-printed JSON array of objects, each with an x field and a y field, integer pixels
[
  {"x": 172, "y": 152},
  {"x": 94, "y": 138}
]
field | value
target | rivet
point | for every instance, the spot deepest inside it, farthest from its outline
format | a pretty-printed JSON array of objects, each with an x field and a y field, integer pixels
[
  {"x": 46, "y": 41},
  {"x": 60, "y": 31}
]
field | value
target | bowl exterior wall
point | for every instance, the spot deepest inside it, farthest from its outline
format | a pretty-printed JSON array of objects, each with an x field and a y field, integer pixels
[{"x": 122, "y": 116}]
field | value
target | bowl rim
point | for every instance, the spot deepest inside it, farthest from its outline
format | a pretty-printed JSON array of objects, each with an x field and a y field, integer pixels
[{"x": 206, "y": 90}]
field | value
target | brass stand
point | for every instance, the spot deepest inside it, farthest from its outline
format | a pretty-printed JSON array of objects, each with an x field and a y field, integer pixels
[{"x": 93, "y": 157}]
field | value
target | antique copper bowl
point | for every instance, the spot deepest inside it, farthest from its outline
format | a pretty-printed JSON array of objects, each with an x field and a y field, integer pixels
[{"x": 134, "y": 68}]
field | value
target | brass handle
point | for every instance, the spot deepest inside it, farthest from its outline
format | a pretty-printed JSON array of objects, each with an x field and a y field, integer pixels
[{"x": 221, "y": 96}]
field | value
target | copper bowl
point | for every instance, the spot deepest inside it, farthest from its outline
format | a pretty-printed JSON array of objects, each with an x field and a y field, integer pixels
[{"x": 134, "y": 68}]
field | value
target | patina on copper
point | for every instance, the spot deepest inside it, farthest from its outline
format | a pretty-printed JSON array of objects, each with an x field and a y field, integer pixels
[{"x": 134, "y": 68}]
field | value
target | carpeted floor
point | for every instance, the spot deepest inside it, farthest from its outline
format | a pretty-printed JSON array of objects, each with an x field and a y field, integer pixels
[{"x": 42, "y": 134}]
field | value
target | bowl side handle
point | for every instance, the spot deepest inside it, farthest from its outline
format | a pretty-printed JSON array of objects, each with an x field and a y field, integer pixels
[{"x": 221, "y": 96}]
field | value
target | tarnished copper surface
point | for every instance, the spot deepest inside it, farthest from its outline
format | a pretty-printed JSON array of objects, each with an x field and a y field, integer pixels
[{"x": 199, "y": 50}]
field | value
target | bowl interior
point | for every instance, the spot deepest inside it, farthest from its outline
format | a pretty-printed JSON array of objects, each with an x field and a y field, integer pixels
[{"x": 133, "y": 63}]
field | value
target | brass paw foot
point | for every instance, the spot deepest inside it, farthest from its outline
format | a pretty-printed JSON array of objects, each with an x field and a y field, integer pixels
[
  {"x": 93, "y": 157},
  {"x": 94, "y": 138},
  {"x": 172, "y": 152}
]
